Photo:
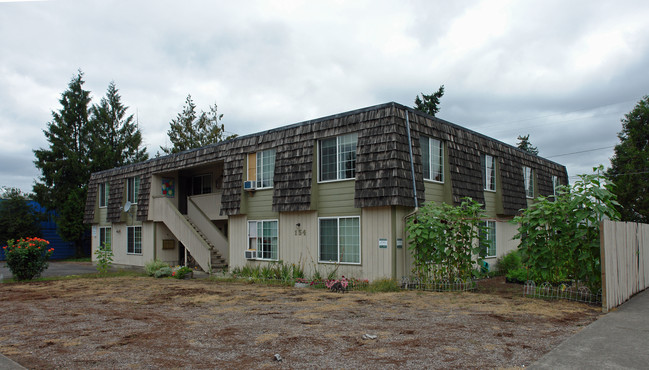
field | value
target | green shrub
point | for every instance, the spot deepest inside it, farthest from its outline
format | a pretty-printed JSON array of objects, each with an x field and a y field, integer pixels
[
  {"x": 180, "y": 272},
  {"x": 163, "y": 272},
  {"x": 152, "y": 267},
  {"x": 104, "y": 258},
  {"x": 384, "y": 285},
  {"x": 510, "y": 261},
  {"x": 518, "y": 275},
  {"x": 27, "y": 257}
]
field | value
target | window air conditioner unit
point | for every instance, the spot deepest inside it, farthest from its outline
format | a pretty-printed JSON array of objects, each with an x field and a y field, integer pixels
[
  {"x": 251, "y": 254},
  {"x": 249, "y": 185}
]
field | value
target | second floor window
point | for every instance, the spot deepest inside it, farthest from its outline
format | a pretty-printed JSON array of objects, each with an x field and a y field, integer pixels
[
  {"x": 202, "y": 184},
  {"x": 555, "y": 184},
  {"x": 132, "y": 189},
  {"x": 432, "y": 158},
  {"x": 529, "y": 181},
  {"x": 337, "y": 157},
  {"x": 265, "y": 168},
  {"x": 489, "y": 173},
  {"x": 103, "y": 194}
]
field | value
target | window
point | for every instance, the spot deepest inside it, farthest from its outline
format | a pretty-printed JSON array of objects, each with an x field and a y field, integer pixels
[
  {"x": 103, "y": 195},
  {"x": 105, "y": 237},
  {"x": 555, "y": 184},
  {"x": 132, "y": 189},
  {"x": 265, "y": 168},
  {"x": 134, "y": 240},
  {"x": 488, "y": 244},
  {"x": 202, "y": 184},
  {"x": 340, "y": 240},
  {"x": 263, "y": 237},
  {"x": 432, "y": 157},
  {"x": 529, "y": 182},
  {"x": 338, "y": 157},
  {"x": 489, "y": 173}
]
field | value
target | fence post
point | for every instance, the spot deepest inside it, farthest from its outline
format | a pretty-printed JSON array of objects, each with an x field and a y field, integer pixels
[{"x": 602, "y": 259}]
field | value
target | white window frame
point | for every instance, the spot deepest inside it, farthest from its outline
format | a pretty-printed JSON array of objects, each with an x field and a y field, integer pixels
[
  {"x": 262, "y": 156},
  {"x": 555, "y": 184},
  {"x": 440, "y": 158},
  {"x": 105, "y": 231},
  {"x": 132, "y": 189},
  {"x": 339, "y": 159},
  {"x": 490, "y": 238},
  {"x": 338, "y": 261},
  {"x": 202, "y": 178},
  {"x": 135, "y": 241},
  {"x": 489, "y": 179},
  {"x": 253, "y": 238},
  {"x": 103, "y": 194},
  {"x": 528, "y": 179}
]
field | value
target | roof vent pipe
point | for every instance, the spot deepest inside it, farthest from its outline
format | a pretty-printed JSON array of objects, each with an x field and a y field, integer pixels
[{"x": 412, "y": 162}]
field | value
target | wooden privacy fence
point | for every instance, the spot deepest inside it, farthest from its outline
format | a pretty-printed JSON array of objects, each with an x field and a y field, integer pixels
[{"x": 625, "y": 261}]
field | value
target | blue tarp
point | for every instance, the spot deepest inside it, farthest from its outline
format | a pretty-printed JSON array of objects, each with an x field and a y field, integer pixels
[{"x": 62, "y": 249}]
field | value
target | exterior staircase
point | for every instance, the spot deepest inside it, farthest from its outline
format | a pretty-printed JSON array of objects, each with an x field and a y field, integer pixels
[{"x": 218, "y": 263}]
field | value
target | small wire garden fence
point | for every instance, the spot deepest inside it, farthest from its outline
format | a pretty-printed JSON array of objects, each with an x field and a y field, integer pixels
[
  {"x": 574, "y": 292},
  {"x": 445, "y": 285}
]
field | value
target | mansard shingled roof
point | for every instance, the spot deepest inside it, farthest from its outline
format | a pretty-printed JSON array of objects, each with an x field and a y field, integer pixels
[{"x": 383, "y": 174}]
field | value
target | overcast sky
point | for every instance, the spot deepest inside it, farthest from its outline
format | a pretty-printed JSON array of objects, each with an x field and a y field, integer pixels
[{"x": 564, "y": 72}]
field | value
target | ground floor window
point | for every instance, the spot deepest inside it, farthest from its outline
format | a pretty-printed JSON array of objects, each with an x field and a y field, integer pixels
[
  {"x": 104, "y": 237},
  {"x": 134, "y": 240},
  {"x": 263, "y": 236},
  {"x": 488, "y": 244},
  {"x": 340, "y": 239}
]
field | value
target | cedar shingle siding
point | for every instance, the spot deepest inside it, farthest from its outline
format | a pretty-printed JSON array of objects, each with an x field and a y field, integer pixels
[{"x": 382, "y": 163}]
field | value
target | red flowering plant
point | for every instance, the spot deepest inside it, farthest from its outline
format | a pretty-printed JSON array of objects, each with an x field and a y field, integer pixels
[{"x": 27, "y": 257}]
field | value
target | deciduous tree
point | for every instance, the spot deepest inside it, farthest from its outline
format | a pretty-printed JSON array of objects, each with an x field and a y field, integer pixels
[{"x": 18, "y": 219}]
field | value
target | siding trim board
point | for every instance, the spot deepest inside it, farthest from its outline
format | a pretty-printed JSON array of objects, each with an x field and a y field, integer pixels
[{"x": 382, "y": 164}]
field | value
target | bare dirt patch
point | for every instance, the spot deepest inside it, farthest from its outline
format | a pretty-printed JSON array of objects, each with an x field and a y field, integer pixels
[{"x": 163, "y": 323}]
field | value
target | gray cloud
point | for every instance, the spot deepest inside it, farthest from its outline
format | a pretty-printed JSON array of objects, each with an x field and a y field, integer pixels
[{"x": 563, "y": 72}]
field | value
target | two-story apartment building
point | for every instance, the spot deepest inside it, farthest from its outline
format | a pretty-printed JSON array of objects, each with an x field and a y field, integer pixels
[{"x": 327, "y": 193}]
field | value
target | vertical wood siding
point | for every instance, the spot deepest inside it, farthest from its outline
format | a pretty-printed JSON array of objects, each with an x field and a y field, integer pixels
[{"x": 624, "y": 260}]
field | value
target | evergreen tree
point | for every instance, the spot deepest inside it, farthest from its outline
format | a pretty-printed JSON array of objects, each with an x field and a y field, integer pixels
[
  {"x": 429, "y": 104},
  {"x": 524, "y": 144},
  {"x": 64, "y": 166},
  {"x": 630, "y": 164},
  {"x": 116, "y": 138},
  {"x": 18, "y": 219},
  {"x": 190, "y": 130}
]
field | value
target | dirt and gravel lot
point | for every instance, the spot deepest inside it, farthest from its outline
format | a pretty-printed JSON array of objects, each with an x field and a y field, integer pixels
[{"x": 139, "y": 322}]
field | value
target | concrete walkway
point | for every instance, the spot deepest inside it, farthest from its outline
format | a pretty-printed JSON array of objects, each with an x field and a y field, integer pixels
[{"x": 618, "y": 340}]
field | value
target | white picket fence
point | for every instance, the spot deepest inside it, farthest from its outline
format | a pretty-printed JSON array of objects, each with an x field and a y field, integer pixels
[{"x": 625, "y": 261}]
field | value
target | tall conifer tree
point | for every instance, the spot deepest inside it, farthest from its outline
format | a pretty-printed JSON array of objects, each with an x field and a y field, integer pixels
[
  {"x": 64, "y": 165},
  {"x": 630, "y": 164}
]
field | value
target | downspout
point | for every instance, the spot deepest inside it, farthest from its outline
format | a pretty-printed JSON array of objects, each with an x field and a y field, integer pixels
[
  {"x": 412, "y": 163},
  {"x": 414, "y": 190}
]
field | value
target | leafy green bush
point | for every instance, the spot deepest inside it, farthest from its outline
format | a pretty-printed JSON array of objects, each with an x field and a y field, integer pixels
[
  {"x": 442, "y": 240},
  {"x": 153, "y": 266},
  {"x": 27, "y": 257},
  {"x": 560, "y": 236},
  {"x": 179, "y": 272},
  {"x": 104, "y": 258},
  {"x": 163, "y": 272},
  {"x": 508, "y": 262},
  {"x": 519, "y": 275}
]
